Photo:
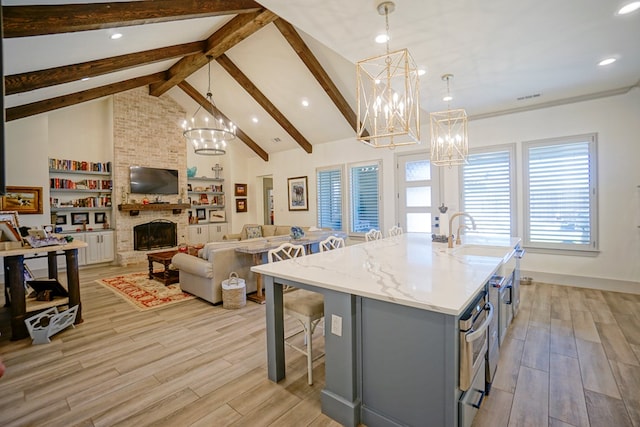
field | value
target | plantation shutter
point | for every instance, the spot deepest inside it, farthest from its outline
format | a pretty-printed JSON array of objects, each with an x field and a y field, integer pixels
[
  {"x": 487, "y": 194},
  {"x": 365, "y": 199},
  {"x": 330, "y": 198},
  {"x": 561, "y": 192}
]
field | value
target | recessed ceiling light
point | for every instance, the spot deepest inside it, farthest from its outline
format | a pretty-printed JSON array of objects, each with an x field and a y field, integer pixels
[
  {"x": 305, "y": 102},
  {"x": 447, "y": 98},
  {"x": 629, "y": 7},
  {"x": 422, "y": 72},
  {"x": 382, "y": 38},
  {"x": 115, "y": 36},
  {"x": 607, "y": 61},
  {"x": 254, "y": 119},
  {"x": 84, "y": 79}
]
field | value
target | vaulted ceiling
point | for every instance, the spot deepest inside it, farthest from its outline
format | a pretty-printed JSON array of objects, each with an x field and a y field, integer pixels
[{"x": 269, "y": 56}]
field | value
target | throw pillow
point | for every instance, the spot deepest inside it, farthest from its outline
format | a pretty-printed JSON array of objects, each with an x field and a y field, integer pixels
[{"x": 253, "y": 232}]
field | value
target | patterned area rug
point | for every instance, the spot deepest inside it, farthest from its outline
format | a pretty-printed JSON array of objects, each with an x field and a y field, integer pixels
[{"x": 145, "y": 293}]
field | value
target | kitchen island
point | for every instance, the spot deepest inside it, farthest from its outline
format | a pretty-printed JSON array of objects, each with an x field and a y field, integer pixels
[{"x": 391, "y": 313}]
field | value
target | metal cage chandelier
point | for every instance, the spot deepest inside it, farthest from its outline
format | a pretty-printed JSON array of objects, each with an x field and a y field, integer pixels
[
  {"x": 208, "y": 136},
  {"x": 449, "y": 139},
  {"x": 388, "y": 96}
]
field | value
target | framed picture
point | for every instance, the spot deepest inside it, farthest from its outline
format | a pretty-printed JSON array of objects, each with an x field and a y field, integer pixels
[
  {"x": 61, "y": 219},
  {"x": 298, "y": 194},
  {"x": 8, "y": 233},
  {"x": 24, "y": 200},
  {"x": 201, "y": 214},
  {"x": 28, "y": 275},
  {"x": 79, "y": 218},
  {"x": 217, "y": 216},
  {"x": 11, "y": 216},
  {"x": 241, "y": 205},
  {"x": 240, "y": 190},
  {"x": 189, "y": 188},
  {"x": 100, "y": 217}
]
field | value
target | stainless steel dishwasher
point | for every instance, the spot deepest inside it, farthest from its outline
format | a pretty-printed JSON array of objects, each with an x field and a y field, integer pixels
[{"x": 493, "y": 342}]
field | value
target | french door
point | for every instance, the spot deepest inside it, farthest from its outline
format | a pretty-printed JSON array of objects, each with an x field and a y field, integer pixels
[{"x": 418, "y": 193}]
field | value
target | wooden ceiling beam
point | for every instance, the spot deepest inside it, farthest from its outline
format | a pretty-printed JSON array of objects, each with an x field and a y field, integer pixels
[
  {"x": 232, "y": 33},
  {"x": 47, "y": 105},
  {"x": 201, "y": 100},
  {"x": 24, "y": 82},
  {"x": 312, "y": 63},
  {"x": 264, "y": 102},
  {"x": 36, "y": 20}
]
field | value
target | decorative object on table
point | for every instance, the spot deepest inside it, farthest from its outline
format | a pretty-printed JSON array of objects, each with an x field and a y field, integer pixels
[
  {"x": 10, "y": 237},
  {"x": 439, "y": 238},
  {"x": 388, "y": 95},
  {"x": 297, "y": 233},
  {"x": 209, "y": 137},
  {"x": 49, "y": 322},
  {"x": 191, "y": 172},
  {"x": 443, "y": 220},
  {"x": 241, "y": 205},
  {"x": 24, "y": 200},
  {"x": 12, "y": 217},
  {"x": 234, "y": 295},
  {"x": 52, "y": 240},
  {"x": 449, "y": 140},
  {"x": 144, "y": 293},
  {"x": 240, "y": 190},
  {"x": 298, "y": 194},
  {"x": 216, "y": 171}
]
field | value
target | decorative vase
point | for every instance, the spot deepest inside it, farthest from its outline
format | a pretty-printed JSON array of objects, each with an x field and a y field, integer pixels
[
  {"x": 296, "y": 233},
  {"x": 191, "y": 172}
]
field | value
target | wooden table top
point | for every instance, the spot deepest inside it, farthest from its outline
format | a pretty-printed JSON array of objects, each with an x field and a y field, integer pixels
[{"x": 162, "y": 256}]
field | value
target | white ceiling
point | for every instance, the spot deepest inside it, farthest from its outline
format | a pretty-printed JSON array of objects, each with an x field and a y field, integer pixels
[{"x": 498, "y": 51}]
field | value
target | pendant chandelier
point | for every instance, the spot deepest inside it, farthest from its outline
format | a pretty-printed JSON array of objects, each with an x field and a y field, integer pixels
[
  {"x": 208, "y": 134},
  {"x": 388, "y": 96},
  {"x": 449, "y": 140}
]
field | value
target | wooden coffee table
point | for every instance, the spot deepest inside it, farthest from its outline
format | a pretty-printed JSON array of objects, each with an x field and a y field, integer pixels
[{"x": 167, "y": 276}]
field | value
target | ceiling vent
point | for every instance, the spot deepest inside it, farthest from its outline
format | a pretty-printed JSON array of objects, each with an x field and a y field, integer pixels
[
  {"x": 535, "y": 95},
  {"x": 276, "y": 140}
]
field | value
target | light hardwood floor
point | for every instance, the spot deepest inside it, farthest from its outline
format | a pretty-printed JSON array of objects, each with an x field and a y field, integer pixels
[{"x": 571, "y": 359}]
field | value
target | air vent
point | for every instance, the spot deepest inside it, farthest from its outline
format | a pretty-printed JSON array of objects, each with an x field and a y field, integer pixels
[
  {"x": 276, "y": 140},
  {"x": 535, "y": 95}
]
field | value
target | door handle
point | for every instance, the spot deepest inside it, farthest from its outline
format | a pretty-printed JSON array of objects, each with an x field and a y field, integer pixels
[{"x": 472, "y": 336}]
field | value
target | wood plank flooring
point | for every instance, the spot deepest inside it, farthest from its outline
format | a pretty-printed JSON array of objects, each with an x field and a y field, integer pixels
[{"x": 572, "y": 358}]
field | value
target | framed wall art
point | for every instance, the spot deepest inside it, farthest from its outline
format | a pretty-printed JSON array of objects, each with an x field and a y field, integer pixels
[
  {"x": 298, "y": 194},
  {"x": 79, "y": 218},
  {"x": 24, "y": 200},
  {"x": 201, "y": 214},
  {"x": 61, "y": 219},
  {"x": 217, "y": 216},
  {"x": 241, "y": 205},
  {"x": 240, "y": 190},
  {"x": 99, "y": 217},
  {"x": 11, "y": 216}
]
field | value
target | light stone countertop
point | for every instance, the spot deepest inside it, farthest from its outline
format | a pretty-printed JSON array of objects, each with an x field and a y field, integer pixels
[{"x": 408, "y": 269}]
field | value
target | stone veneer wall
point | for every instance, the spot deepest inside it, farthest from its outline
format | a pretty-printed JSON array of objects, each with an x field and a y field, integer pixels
[{"x": 146, "y": 132}]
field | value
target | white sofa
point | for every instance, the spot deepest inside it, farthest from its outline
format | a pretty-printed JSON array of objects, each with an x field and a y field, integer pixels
[{"x": 202, "y": 275}]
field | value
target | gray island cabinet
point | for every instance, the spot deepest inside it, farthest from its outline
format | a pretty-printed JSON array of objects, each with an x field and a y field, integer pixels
[{"x": 392, "y": 308}]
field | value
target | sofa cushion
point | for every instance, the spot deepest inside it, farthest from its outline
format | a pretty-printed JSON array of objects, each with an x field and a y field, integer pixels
[
  {"x": 253, "y": 232},
  {"x": 281, "y": 230},
  {"x": 268, "y": 230}
]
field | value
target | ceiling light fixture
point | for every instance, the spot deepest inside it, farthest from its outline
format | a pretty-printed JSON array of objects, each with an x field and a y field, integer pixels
[
  {"x": 305, "y": 102},
  {"x": 208, "y": 137},
  {"x": 382, "y": 38},
  {"x": 449, "y": 140},
  {"x": 388, "y": 96},
  {"x": 115, "y": 36},
  {"x": 607, "y": 61},
  {"x": 628, "y": 8}
]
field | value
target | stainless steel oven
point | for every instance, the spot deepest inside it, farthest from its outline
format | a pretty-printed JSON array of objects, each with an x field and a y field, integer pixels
[{"x": 473, "y": 326}]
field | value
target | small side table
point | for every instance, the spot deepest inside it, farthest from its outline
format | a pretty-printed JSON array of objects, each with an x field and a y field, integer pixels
[{"x": 167, "y": 276}]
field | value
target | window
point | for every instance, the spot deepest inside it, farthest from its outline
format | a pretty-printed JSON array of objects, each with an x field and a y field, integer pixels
[
  {"x": 488, "y": 190},
  {"x": 560, "y": 193},
  {"x": 364, "y": 196},
  {"x": 329, "y": 181}
]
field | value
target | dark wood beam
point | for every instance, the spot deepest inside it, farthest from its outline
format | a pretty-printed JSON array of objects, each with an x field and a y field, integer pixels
[
  {"x": 24, "y": 82},
  {"x": 196, "y": 96},
  {"x": 36, "y": 20},
  {"x": 312, "y": 63},
  {"x": 39, "y": 107},
  {"x": 264, "y": 102},
  {"x": 232, "y": 33}
]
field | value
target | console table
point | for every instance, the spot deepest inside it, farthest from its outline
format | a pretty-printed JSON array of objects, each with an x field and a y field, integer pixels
[{"x": 14, "y": 280}]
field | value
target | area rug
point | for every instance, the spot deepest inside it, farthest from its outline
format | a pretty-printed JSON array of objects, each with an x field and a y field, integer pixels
[{"x": 144, "y": 293}]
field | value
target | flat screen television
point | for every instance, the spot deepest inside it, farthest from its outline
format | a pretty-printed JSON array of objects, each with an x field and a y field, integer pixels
[{"x": 153, "y": 180}]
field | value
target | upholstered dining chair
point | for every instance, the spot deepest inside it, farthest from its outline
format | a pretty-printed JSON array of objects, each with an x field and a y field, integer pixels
[
  {"x": 395, "y": 231},
  {"x": 373, "y": 234},
  {"x": 331, "y": 242},
  {"x": 305, "y": 306}
]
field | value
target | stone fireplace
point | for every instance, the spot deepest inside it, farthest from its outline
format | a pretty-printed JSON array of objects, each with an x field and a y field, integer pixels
[{"x": 156, "y": 234}]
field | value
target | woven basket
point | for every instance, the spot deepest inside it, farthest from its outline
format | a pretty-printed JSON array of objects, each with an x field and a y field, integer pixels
[{"x": 233, "y": 292}]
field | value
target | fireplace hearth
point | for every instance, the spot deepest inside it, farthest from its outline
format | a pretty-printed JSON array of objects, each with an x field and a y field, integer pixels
[{"x": 156, "y": 234}]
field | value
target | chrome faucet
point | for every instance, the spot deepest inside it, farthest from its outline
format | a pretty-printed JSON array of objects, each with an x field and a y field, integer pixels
[{"x": 450, "y": 237}]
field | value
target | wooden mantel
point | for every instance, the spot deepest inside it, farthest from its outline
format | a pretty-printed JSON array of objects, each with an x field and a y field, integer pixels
[{"x": 135, "y": 208}]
